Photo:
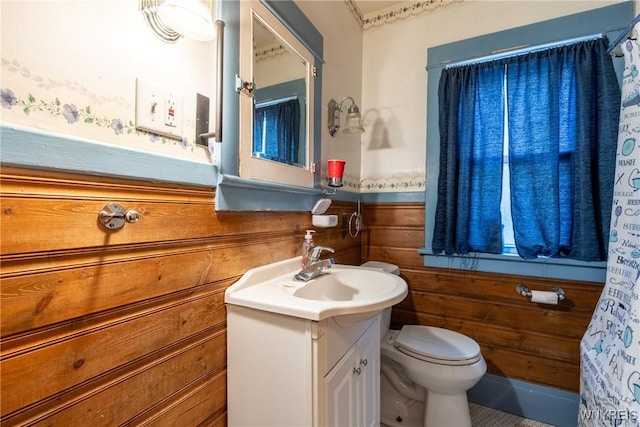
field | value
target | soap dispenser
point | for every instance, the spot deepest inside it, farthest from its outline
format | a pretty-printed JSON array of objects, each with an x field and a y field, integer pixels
[{"x": 307, "y": 247}]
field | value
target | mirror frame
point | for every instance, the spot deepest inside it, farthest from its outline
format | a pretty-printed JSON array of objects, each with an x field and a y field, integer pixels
[
  {"x": 234, "y": 193},
  {"x": 259, "y": 168}
]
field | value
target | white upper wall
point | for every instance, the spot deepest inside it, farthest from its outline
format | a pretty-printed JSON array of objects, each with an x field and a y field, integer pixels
[
  {"x": 71, "y": 67},
  {"x": 80, "y": 59},
  {"x": 342, "y": 76},
  {"x": 394, "y": 80}
]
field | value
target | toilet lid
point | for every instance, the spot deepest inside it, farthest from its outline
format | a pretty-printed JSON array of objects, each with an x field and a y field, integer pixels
[{"x": 437, "y": 345}]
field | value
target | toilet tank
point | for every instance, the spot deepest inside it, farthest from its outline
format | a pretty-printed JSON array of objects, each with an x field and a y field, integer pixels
[
  {"x": 385, "y": 266},
  {"x": 386, "y": 314}
]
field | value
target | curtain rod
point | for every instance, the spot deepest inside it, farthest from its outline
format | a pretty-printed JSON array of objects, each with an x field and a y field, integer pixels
[
  {"x": 519, "y": 50},
  {"x": 624, "y": 34},
  {"x": 274, "y": 101}
]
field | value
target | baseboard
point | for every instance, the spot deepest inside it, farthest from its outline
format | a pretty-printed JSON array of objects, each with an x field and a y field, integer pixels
[{"x": 545, "y": 404}]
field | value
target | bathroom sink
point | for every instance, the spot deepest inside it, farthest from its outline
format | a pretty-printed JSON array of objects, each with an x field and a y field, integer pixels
[
  {"x": 342, "y": 290},
  {"x": 345, "y": 284}
]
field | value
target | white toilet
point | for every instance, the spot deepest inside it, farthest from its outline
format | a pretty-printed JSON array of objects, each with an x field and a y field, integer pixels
[{"x": 426, "y": 372}]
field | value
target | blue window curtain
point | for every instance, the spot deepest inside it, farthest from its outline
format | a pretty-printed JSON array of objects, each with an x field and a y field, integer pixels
[
  {"x": 563, "y": 107},
  {"x": 563, "y": 124},
  {"x": 471, "y": 149},
  {"x": 279, "y": 125}
]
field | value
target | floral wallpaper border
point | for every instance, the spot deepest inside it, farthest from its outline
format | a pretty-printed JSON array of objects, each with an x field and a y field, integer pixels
[
  {"x": 73, "y": 114},
  {"x": 400, "y": 12},
  {"x": 395, "y": 183},
  {"x": 269, "y": 52},
  {"x": 403, "y": 182}
]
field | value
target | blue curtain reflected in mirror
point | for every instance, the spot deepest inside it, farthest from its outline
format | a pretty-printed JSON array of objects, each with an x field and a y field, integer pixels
[
  {"x": 279, "y": 123},
  {"x": 276, "y": 130}
]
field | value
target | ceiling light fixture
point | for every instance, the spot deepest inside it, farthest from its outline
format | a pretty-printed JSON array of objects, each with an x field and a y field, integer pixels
[{"x": 172, "y": 19}]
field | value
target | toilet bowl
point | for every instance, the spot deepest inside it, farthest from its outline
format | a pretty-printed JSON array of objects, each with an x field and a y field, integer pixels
[{"x": 425, "y": 372}]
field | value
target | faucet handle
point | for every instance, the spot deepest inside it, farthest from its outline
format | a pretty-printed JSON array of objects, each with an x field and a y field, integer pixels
[{"x": 317, "y": 250}]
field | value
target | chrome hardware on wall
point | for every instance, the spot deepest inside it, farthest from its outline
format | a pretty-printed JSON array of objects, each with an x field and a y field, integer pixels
[
  {"x": 114, "y": 215},
  {"x": 355, "y": 222},
  {"x": 217, "y": 133},
  {"x": 541, "y": 296},
  {"x": 243, "y": 86}
]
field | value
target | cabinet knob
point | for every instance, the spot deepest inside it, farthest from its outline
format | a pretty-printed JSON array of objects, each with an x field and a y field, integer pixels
[
  {"x": 357, "y": 371},
  {"x": 363, "y": 362}
]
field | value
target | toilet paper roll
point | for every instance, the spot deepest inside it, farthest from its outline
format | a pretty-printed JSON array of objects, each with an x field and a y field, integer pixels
[{"x": 544, "y": 297}]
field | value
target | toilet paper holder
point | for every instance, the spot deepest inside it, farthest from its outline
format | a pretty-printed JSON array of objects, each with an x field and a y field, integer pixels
[{"x": 525, "y": 292}]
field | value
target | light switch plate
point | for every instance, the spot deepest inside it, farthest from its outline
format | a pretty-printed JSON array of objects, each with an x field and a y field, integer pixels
[{"x": 158, "y": 110}]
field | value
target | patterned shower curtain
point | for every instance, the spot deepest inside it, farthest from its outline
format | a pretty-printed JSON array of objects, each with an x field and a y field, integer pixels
[{"x": 610, "y": 348}]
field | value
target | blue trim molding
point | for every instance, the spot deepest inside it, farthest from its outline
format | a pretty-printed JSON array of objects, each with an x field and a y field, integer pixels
[
  {"x": 297, "y": 22},
  {"x": 551, "y": 268},
  {"x": 545, "y": 404},
  {"x": 240, "y": 194},
  {"x": 236, "y": 193},
  {"x": 32, "y": 148}
]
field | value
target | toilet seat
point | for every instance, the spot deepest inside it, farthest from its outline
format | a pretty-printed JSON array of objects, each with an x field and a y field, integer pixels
[{"x": 437, "y": 345}]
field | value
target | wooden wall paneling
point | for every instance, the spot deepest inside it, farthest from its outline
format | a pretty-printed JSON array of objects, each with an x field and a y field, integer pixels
[
  {"x": 498, "y": 313},
  {"x": 36, "y": 225},
  {"x": 45, "y": 293},
  {"x": 532, "y": 367},
  {"x": 393, "y": 233},
  {"x": 128, "y": 327},
  {"x": 564, "y": 347},
  {"x": 208, "y": 396},
  {"x": 579, "y": 295},
  {"x": 531, "y": 342},
  {"x": 152, "y": 385},
  {"x": 90, "y": 349},
  {"x": 67, "y": 286},
  {"x": 408, "y": 257},
  {"x": 409, "y": 215}
]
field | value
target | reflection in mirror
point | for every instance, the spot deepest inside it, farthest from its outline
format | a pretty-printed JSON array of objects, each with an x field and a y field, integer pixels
[
  {"x": 279, "y": 99},
  {"x": 275, "y": 122}
]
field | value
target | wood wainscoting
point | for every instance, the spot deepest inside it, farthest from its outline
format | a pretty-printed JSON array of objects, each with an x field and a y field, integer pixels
[
  {"x": 519, "y": 339},
  {"x": 127, "y": 327}
]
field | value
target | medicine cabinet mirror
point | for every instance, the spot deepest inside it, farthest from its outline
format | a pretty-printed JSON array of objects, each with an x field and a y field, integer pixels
[{"x": 276, "y": 114}]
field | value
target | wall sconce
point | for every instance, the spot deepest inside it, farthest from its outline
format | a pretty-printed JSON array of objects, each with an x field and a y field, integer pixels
[
  {"x": 354, "y": 121},
  {"x": 172, "y": 19}
]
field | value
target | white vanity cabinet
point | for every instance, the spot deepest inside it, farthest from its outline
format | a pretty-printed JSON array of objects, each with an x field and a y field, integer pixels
[
  {"x": 289, "y": 371},
  {"x": 352, "y": 386}
]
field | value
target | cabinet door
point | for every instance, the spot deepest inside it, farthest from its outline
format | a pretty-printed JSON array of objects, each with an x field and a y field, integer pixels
[
  {"x": 341, "y": 384},
  {"x": 368, "y": 382},
  {"x": 353, "y": 385}
]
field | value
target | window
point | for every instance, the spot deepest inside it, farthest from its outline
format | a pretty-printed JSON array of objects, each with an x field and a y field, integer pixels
[
  {"x": 609, "y": 20},
  {"x": 561, "y": 107}
]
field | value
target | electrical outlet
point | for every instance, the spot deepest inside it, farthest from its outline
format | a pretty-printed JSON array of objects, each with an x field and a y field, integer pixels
[
  {"x": 170, "y": 113},
  {"x": 158, "y": 110}
]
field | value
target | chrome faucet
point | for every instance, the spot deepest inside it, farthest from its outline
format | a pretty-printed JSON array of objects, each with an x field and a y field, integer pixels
[{"x": 315, "y": 266}]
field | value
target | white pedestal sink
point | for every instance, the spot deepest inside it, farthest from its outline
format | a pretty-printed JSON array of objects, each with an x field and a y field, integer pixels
[
  {"x": 341, "y": 290},
  {"x": 306, "y": 353}
]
